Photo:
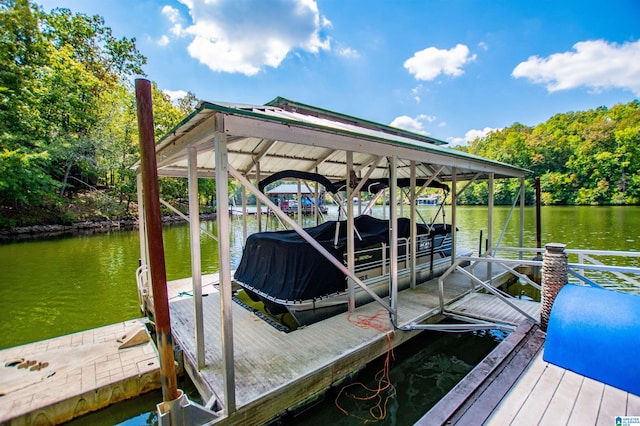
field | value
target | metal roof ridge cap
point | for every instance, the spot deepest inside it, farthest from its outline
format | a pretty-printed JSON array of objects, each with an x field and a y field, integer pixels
[{"x": 279, "y": 101}]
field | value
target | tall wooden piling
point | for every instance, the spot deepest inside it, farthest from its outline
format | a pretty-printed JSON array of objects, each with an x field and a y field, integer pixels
[{"x": 154, "y": 236}]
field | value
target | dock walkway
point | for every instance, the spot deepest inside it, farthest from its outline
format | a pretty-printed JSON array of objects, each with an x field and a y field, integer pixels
[
  {"x": 277, "y": 371},
  {"x": 546, "y": 394},
  {"x": 513, "y": 385},
  {"x": 56, "y": 380}
]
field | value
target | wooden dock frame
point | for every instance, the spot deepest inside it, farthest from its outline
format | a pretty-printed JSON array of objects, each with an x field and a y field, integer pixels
[{"x": 279, "y": 372}]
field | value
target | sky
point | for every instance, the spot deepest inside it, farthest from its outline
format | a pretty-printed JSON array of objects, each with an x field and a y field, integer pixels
[{"x": 451, "y": 69}]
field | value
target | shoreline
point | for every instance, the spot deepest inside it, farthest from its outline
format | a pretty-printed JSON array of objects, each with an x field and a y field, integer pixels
[{"x": 88, "y": 227}]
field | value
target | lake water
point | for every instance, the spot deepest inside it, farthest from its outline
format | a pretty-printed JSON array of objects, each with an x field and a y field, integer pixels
[{"x": 58, "y": 286}]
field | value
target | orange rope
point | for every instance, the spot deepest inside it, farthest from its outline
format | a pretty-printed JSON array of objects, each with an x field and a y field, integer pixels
[{"x": 378, "y": 411}]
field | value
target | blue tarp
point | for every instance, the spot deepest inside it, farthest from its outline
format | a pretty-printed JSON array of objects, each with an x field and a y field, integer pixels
[{"x": 596, "y": 333}]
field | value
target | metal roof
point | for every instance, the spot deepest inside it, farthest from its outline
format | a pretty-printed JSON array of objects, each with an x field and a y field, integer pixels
[{"x": 285, "y": 135}]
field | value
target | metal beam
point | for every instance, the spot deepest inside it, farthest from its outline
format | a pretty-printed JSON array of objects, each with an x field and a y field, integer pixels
[
  {"x": 226, "y": 302},
  {"x": 327, "y": 138},
  {"x": 351, "y": 263},
  {"x": 522, "y": 206},
  {"x": 414, "y": 227},
  {"x": 196, "y": 265},
  {"x": 469, "y": 182},
  {"x": 454, "y": 202},
  {"x": 393, "y": 237}
]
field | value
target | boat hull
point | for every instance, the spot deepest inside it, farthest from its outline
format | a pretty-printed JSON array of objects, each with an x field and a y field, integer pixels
[{"x": 306, "y": 312}]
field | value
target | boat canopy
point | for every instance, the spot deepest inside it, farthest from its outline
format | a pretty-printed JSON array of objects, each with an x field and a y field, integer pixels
[{"x": 284, "y": 135}]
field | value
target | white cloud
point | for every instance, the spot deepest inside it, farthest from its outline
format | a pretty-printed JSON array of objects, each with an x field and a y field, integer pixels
[
  {"x": 484, "y": 46},
  {"x": 416, "y": 93},
  {"x": 176, "y": 19},
  {"x": 244, "y": 36},
  {"x": 348, "y": 52},
  {"x": 174, "y": 95},
  {"x": 172, "y": 14},
  {"x": 427, "y": 64},
  {"x": 595, "y": 64},
  {"x": 163, "y": 41},
  {"x": 470, "y": 136},
  {"x": 415, "y": 125}
]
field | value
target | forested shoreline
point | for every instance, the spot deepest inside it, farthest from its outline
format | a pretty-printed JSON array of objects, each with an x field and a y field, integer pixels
[
  {"x": 582, "y": 158},
  {"x": 68, "y": 131}
]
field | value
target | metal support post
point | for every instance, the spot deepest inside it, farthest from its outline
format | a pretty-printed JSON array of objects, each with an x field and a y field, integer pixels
[
  {"x": 454, "y": 202},
  {"x": 414, "y": 226},
  {"x": 393, "y": 237},
  {"x": 226, "y": 302},
  {"x": 196, "y": 264},
  {"x": 350, "y": 237}
]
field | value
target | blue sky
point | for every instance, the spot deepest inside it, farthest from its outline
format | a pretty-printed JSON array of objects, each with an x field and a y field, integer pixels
[{"x": 451, "y": 69}]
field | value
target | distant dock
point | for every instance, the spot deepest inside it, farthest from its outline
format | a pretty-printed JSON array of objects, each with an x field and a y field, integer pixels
[{"x": 56, "y": 380}]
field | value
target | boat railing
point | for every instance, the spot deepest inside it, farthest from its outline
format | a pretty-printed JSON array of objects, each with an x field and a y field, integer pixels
[
  {"x": 425, "y": 246},
  {"x": 602, "y": 264},
  {"x": 143, "y": 285},
  {"x": 576, "y": 270},
  {"x": 476, "y": 283}
]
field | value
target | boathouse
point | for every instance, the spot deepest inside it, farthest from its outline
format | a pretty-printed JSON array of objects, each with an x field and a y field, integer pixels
[{"x": 230, "y": 358}]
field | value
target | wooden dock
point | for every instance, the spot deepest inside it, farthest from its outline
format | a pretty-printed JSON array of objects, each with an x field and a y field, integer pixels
[
  {"x": 513, "y": 385},
  {"x": 56, "y": 380},
  {"x": 550, "y": 395},
  {"x": 277, "y": 371}
]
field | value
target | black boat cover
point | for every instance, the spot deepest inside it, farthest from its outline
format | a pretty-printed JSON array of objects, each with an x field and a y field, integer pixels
[{"x": 284, "y": 266}]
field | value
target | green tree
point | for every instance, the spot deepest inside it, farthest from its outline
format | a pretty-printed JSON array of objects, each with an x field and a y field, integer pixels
[{"x": 55, "y": 70}]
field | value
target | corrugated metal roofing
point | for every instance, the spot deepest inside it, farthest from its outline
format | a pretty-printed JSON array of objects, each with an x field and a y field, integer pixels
[{"x": 284, "y": 135}]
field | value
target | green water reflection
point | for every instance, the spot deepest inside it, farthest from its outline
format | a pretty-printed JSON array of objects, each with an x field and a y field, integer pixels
[{"x": 59, "y": 286}]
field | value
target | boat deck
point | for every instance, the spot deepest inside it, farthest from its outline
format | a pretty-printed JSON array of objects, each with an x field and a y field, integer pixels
[
  {"x": 276, "y": 371},
  {"x": 56, "y": 380}
]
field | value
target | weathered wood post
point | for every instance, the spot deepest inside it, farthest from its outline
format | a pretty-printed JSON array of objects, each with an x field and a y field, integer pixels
[
  {"x": 555, "y": 274},
  {"x": 154, "y": 238}
]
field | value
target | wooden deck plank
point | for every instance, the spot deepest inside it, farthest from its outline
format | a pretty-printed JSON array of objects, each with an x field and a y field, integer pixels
[
  {"x": 547, "y": 394},
  {"x": 633, "y": 405},
  {"x": 516, "y": 397},
  {"x": 480, "y": 409},
  {"x": 614, "y": 403},
  {"x": 275, "y": 370},
  {"x": 587, "y": 405},
  {"x": 560, "y": 407},
  {"x": 540, "y": 397}
]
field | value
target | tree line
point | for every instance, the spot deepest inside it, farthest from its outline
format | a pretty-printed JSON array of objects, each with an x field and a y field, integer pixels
[
  {"x": 69, "y": 136},
  {"x": 582, "y": 158},
  {"x": 68, "y": 127}
]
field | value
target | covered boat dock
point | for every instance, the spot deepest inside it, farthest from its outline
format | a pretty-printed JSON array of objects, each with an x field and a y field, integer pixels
[{"x": 250, "y": 143}]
